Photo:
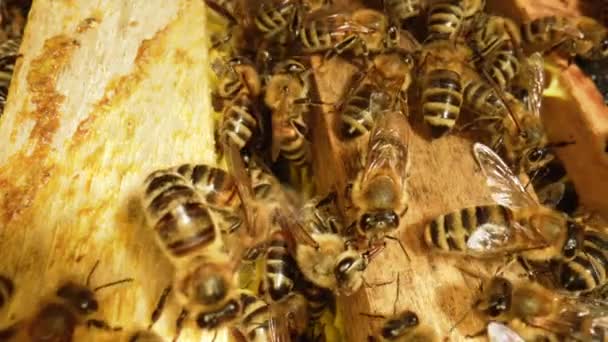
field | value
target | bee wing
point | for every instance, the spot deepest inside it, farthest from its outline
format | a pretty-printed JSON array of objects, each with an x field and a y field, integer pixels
[
  {"x": 488, "y": 237},
  {"x": 551, "y": 194},
  {"x": 288, "y": 220},
  {"x": 498, "y": 332},
  {"x": 277, "y": 325},
  {"x": 505, "y": 187},
  {"x": 244, "y": 187},
  {"x": 534, "y": 67}
]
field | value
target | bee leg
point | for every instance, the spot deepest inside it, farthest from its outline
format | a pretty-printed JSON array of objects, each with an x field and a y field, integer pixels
[
  {"x": 103, "y": 325},
  {"x": 527, "y": 268},
  {"x": 342, "y": 46},
  {"x": 480, "y": 333},
  {"x": 158, "y": 310},
  {"x": 400, "y": 245},
  {"x": 179, "y": 323}
]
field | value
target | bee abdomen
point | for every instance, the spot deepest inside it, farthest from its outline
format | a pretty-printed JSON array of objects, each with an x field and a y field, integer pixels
[
  {"x": 54, "y": 322},
  {"x": 444, "y": 20},
  {"x": 238, "y": 123},
  {"x": 295, "y": 149},
  {"x": 318, "y": 299},
  {"x": 256, "y": 317},
  {"x": 441, "y": 100},
  {"x": 578, "y": 274},
  {"x": 356, "y": 119},
  {"x": 281, "y": 269},
  {"x": 7, "y": 288},
  {"x": 274, "y": 21},
  {"x": 217, "y": 186},
  {"x": 315, "y": 37},
  {"x": 503, "y": 69},
  {"x": 451, "y": 231},
  {"x": 403, "y": 9},
  {"x": 482, "y": 99}
]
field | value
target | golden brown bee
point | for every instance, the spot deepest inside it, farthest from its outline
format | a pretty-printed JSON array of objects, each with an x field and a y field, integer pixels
[
  {"x": 219, "y": 191},
  {"x": 360, "y": 32},
  {"x": 187, "y": 233},
  {"x": 445, "y": 20},
  {"x": 579, "y": 36},
  {"x": 379, "y": 193},
  {"x": 355, "y": 116},
  {"x": 283, "y": 92},
  {"x": 7, "y": 288},
  {"x": 517, "y": 224},
  {"x": 72, "y": 305},
  {"x": 239, "y": 122},
  {"x": 402, "y": 10},
  {"x": 333, "y": 264}
]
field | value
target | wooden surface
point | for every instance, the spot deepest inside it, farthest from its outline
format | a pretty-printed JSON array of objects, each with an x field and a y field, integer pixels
[{"x": 97, "y": 104}]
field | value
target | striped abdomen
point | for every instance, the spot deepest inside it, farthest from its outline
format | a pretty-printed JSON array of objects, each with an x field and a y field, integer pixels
[
  {"x": 451, "y": 231},
  {"x": 356, "y": 118},
  {"x": 318, "y": 298},
  {"x": 293, "y": 145},
  {"x": 441, "y": 100},
  {"x": 281, "y": 269},
  {"x": 274, "y": 22},
  {"x": 217, "y": 186},
  {"x": 238, "y": 122},
  {"x": 444, "y": 20},
  {"x": 588, "y": 269},
  {"x": 548, "y": 176},
  {"x": 403, "y": 9},
  {"x": 255, "y": 321},
  {"x": 502, "y": 68},
  {"x": 9, "y": 51},
  {"x": 482, "y": 100},
  {"x": 7, "y": 288},
  {"x": 320, "y": 35},
  {"x": 179, "y": 215},
  {"x": 545, "y": 33},
  {"x": 3, "y": 96}
]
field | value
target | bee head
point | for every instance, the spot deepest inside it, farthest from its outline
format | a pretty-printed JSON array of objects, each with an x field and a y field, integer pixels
[
  {"x": 399, "y": 325},
  {"x": 379, "y": 221},
  {"x": 79, "y": 297},
  {"x": 349, "y": 271},
  {"x": 498, "y": 297},
  {"x": 222, "y": 316}
]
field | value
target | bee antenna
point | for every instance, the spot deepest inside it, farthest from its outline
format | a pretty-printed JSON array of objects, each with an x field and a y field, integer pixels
[
  {"x": 460, "y": 320},
  {"x": 370, "y": 315},
  {"x": 126, "y": 280},
  {"x": 88, "y": 282},
  {"x": 560, "y": 144},
  {"x": 397, "y": 295}
]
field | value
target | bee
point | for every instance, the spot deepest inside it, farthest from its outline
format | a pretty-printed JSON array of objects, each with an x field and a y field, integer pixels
[
  {"x": 402, "y": 326},
  {"x": 445, "y": 20},
  {"x": 361, "y": 32},
  {"x": 533, "y": 310},
  {"x": 319, "y": 300},
  {"x": 442, "y": 85},
  {"x": 56, "y": 320},
  {"x": 188, "y": 234},
  {"x": 239, "y": 122},
  {"x": 333, "y": 265},
  {"x": 289, "y": 129},
  {"x": 402, "y": 10},
  {"x": 219, "y": 191},
  {"x": 278, "y": 21},
  {"x": 581, "y": 36},
  {"x": 482, "y": 99},
  {"x": 516, "y": 224},
  {"x": 355, "y": 116},
  {"x": 7, "y": 288},
  {"x": 587, "y": 271},
  {"x": 235, "y": 77},
  {"x": 379, "y": 192}
]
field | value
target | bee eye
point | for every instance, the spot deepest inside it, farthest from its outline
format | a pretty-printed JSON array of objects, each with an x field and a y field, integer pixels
[
  {"x": 411, "y": 320},
  {"x": 367, "y": 222},
  {"x": 392, "y": 219},
  {"x": 536, "y": 155}
]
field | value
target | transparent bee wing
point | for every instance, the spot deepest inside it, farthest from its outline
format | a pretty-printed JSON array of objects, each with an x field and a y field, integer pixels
[
  {"x": 277, "y": 325},
  {"x": 551, "y": 194},
  {"x": 498, "y": 332},
  {"x": 505, "y": 187},
  {"x": 488, "y": 237},
  {"x": 534, "y": 68},
  {"x": 245, "y": 189},
  {"x": 287, "y": 219}
]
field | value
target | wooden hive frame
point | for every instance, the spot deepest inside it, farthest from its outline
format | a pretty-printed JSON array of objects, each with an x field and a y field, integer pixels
[{"x": 107, "y": 91}]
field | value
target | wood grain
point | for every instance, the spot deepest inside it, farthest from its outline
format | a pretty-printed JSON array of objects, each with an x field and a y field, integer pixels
[{"x": 106, "y": 92}]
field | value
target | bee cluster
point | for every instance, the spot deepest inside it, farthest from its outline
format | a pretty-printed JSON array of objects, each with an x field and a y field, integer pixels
[{"x": 260, "y": 249}]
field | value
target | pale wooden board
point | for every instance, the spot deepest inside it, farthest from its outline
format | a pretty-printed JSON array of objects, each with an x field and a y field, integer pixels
[{"x": 91, "y": 111}]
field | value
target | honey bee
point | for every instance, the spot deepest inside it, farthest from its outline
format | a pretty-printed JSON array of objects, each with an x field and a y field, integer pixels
[
  {"x": 239, "y": 122},
  {"x": 219, "y": 191},
  {"x": 402, "y": 10},
  {"x": 532, "y": 310},
  {"x": 402, "y": 326},
  {"x": 7, "y": 288},
  {"x": 361, "y": 32},
  {"x": 355, "y": 116},
  {"x": 289, "y": 130},
  {"x": 445, "y": 20},
  {"x": 580, "y": 36},
  {"x": 278, "y": 21},
  {"x": 587, "y": 270},
  {"x": 333, "y": 265},
  {"x": 236, "y": 76},
  {"x": 188, "y": 234},
  {"x": 56, "y": 320},
  {"x": 442, "y": 74},
  {"x": 379, "y": 192},
  {"x": 516, "y": 224}
]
